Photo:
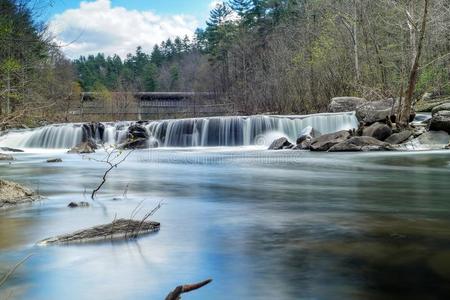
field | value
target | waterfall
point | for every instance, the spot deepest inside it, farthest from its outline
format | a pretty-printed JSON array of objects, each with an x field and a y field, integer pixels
[{"x": 194, "y": 132}]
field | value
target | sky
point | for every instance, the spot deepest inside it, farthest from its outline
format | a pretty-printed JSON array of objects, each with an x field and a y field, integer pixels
[{"x": 119, "y": 26}]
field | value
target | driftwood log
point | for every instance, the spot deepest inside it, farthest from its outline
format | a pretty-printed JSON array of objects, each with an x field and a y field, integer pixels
[
  {"x": 176, "y": 293},
  {"x": 118, "y": 229}
]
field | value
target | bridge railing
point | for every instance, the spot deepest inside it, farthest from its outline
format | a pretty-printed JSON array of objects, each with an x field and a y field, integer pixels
[{"x": 143, "y": 105}]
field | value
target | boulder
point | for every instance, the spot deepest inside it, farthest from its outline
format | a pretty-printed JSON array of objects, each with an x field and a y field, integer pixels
[
  {"x": 345, "y": 104},
  {"x": 303, "y": 145},
  {"x": 360, "y": 143},
  {"x": 376, "y": 111},
  {"x": 280, "y": 143},
  {"x": 436, "y": 109},
  {"x": 7, "y": 149},
  {"x": 137, "y": 131},
  {"x": 441, "y": 121},
  {"x": 83, "y": 148},
  {"x": 4, "y": 156},
  {"x": 54, "y": 160},
  {"x": 305, "y": 138},
  {"x": 378, "y": 130},
  {"x": 92, "y": 131},
  {"x": 430, "y": 140},
  {"x": 138, "y": 143},
  {"x": 326, "y": 141},
  {"x": 429, "y": 101},
  {"x": 12, "y": 194},
  {"x": 434, "y": 138},
  {"x": 78, "y": 204},
  {"x": 118, "y": 229},
  {"x": 398, "y": 138}
]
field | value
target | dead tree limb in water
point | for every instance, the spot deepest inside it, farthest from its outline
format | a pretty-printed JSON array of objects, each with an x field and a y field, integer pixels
[
  {"x": 176, "y": 293},
  {"x": 113, "y": 160},
  {"x": 13, "y": 269},
  {"x": 407, "y": 104}
]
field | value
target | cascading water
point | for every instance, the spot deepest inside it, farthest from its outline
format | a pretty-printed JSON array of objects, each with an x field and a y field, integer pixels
[{"x": 195, "y": 132}]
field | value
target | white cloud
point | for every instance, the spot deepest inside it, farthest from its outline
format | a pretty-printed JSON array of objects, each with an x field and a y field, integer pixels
[
  {"x": 99, "y": 27},
  {"x": 214, "y": 4}
]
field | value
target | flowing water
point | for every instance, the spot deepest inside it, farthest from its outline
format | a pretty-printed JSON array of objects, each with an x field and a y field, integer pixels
[
  {"x": 263, "y": 224},
  {"x": 196, "y": 132}
]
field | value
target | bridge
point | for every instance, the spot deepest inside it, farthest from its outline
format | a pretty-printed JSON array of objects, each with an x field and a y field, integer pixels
[{"x": 150, "y": 105}]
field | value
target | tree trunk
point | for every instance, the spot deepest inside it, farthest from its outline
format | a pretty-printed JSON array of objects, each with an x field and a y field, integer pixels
[
  {"x": 355, "y": 40},
  {"x": 405, "y": 112}
]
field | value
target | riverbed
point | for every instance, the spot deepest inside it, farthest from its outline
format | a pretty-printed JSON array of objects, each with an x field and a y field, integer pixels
[{"x": 262, "y": 224}]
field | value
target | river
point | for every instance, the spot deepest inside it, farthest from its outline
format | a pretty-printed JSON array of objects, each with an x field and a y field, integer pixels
[{"x": 262, "y": 224}]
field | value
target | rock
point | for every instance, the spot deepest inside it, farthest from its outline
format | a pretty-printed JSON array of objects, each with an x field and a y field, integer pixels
[
  {"x": 118, "y": 229},
  {"x": 418, "y": 131},
  {"x": 441, "y": 121},
  {"x": 426, "y": 104},
  {"x": 326, "y": 141},
  {"x": 92, "y": 131},
  {"x": 305, "y": 138},
  {"x": 378, "y": 130},
  {"x": 7, "y": 149},
  {"x": 78, "y": 204},
  {"x": 438, "y": 108},
  {"x": 303, "y": 145},
  {"x": 138, "y": 143},
  {"x": 434, "y": 138},
  {"x": 430, "y": 140},
  {"x": 398, "y": 138},
  {"x": 345, "y": 104},
  {"x": 83, "y": 148},
  {"x": 280, "y": 144},
  {"x": 137, "y": 131},
  {"x": 360, "y": 143},
  {"x": 376, "y": 111},
  {"x": 6, "y": 157},
  {"x": 54, "y": 160},
  {"x": 12, "y": 194}
]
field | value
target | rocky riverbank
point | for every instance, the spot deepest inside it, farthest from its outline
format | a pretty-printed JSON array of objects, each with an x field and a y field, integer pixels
[
  {"x": 377, "y": 130},
  {"x": 13, "y": 194}
]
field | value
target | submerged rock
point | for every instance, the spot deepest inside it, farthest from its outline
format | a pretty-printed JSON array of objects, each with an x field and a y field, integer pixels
[
  {"x": 344, "y": 104},
  {"x": 441, "y": 121},
  {"x": 54, "y": 160},
  {"x": 398, "y": 138},
  {"x": 78, "y": 204},
  {"x": 137, "y": 138},
  {"x": 281, "y": 143},
  {"x": 118, "y": 229},
  {"x": 326, "y": 141},
  {"x": 378, "y": 130},
  {"x": 12, "y": 194},
  {"x": 360, "y": 143},
  {"x": 4, "y": 156}
]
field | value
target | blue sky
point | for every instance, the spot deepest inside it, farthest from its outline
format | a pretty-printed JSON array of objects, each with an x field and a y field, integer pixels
[
  {"x": 197, "y": 8},
  {"x": 119, "y": 26}
]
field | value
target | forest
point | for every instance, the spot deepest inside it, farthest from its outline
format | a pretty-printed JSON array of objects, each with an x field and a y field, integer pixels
[{"x": 264, "y": 56}]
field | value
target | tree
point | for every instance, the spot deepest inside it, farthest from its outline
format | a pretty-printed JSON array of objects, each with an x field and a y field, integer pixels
[{"x": 413, "y": 74}]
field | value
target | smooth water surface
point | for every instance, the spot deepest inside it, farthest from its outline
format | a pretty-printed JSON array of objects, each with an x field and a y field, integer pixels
[{"x": 262, "y": 224}]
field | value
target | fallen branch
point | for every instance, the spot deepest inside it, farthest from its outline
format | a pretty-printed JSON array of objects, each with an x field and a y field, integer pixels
[
  {"x": 176, "y": 293},
  {"x": 10, "y": 272}
]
